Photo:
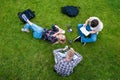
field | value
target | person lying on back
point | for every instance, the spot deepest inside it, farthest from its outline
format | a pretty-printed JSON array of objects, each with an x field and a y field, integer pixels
[{"x": 54, "y": 35}]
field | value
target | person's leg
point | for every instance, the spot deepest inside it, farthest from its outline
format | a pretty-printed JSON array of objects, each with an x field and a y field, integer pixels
[
  {"x": 31, "y": 25},
  {"x": 92, "y": 38},
  {"x": 79, "y": 31},
  {"x": 36, "y": 28},
  {"x": 26, "y": 28},
  {"x": 37, "y": 31},
  {"x": 88, "y": 28},
  {"x": 80, "y": 34}
]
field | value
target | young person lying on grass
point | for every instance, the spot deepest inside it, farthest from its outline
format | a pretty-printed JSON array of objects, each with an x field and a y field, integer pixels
[
  {"x": 65, "y": 60},
  {"x": 54, "y": 35}
]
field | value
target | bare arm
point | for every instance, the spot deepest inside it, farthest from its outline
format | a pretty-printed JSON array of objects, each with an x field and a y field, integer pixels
[
  {"x": 55, "y": 43},
  {"x": 86, "y": 22},
  {"x": 92, "y": 32},
  {"x": 56, "y": 33},
  {"x": 57, "y": 26},
  {"x": 60, "y": 30}
]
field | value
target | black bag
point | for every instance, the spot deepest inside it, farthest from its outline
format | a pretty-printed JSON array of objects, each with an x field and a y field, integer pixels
[
  {"x": 71, "y": 11},
  {"x": 29, "y": 14}
]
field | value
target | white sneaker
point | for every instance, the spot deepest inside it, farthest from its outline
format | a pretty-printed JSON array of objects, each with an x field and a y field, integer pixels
[
  {"x": 25, "y": 30},
  {"x": 84, "y": 43}
]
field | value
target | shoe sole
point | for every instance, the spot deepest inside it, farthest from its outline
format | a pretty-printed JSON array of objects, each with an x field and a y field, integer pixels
[
  {"x": 84, "y": 44},
  {"x": 24, "y": 17},
  {"x": 76, "y": 38}
]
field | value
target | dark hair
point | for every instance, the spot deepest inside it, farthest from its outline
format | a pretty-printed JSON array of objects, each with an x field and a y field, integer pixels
[
  {"x": 94, "y": 23},
  {"x": 54, "y": 28}
]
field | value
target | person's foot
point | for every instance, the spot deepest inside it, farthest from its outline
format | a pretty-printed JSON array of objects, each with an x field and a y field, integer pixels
[
  {"x": 25, "y": 30},
  {"x": 77, "y": 39},
  {"x": 84, "y": 43},
  {"x": 24, "y": 17}
]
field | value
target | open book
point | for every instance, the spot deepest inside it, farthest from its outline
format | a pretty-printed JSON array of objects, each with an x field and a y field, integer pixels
[{"x": 84, "y": 31}]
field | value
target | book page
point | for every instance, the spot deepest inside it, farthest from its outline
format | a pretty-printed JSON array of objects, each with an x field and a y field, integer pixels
[{"x": 84, "y": 31}]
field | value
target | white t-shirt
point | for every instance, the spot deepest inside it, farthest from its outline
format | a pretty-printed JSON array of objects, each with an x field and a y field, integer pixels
[{"x": 99, "y": 27}]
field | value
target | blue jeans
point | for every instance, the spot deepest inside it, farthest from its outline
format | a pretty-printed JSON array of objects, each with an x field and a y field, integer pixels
[
  {"x": 37, "y": 30},
  {"x": 91, "y": 38}
]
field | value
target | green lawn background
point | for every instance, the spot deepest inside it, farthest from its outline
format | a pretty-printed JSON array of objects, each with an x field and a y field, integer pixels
[{"x": 24, "y": 58}]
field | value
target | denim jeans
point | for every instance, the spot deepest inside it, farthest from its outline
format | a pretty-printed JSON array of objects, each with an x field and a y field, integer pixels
[
  {"x": 37, "y": 30},
  {"x": 91, "y": 38}
]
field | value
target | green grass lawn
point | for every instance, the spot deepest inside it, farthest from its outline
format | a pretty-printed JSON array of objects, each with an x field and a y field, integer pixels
[{"x": 24, "y": 58}]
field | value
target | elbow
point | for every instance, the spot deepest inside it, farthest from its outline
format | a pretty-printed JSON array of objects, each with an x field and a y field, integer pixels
[{"x": 54, "y": 51}]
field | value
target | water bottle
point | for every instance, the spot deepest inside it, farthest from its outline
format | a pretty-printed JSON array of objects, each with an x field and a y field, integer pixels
[{"x": 69, "y": 28}]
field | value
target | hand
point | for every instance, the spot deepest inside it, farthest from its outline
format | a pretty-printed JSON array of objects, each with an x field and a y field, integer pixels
[
  {"x": 86, "y": 22},
  {"x": 72, "y": 49},
  {"x": 92, "y": 32},
  {"x": 84, "y": 25}
]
